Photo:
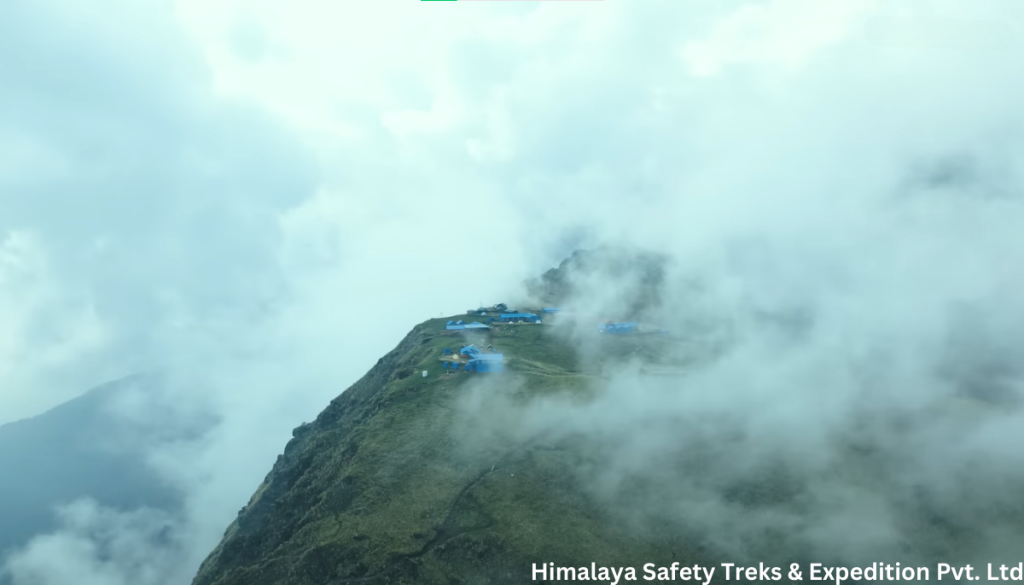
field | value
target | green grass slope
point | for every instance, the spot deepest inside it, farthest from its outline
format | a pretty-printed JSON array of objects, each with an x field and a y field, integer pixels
[{"x": 393, "y": 482}]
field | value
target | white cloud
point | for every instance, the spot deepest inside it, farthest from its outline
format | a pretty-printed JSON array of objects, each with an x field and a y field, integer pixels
[
  {"x": 780, "y": 34},
  {"x": 97, "y": 546},
  {"x": 263, "y": 197},
  {"x": 49, "y": 328}
]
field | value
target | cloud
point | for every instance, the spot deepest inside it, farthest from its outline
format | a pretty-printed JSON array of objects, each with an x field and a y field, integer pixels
[
  {"x": 45, "y": 324},
  {"x": 141, "y": 190},
  {"x": 97, "y": 546},
  {"x": 260, "y": 200},
  {"x": 152, "y": 223}
]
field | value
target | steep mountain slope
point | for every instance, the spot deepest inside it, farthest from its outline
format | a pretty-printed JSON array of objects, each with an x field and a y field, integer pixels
[
  {"x": 70, "y": 452},
  {"x": 586, "y": 450},
  {"x": 405, "y": 478}
]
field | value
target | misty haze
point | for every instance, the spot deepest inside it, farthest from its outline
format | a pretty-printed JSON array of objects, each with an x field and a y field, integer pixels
[{"x": 314, "y": 293}]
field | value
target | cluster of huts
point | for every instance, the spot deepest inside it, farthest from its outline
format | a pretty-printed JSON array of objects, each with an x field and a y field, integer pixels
[
  {"x": 501, "y": 314},
  {"x": 472, "y": 359},
  {"x": 503, "y": 318}
]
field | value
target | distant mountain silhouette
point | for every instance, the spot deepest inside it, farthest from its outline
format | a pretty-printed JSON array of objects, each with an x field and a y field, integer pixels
[{"x": 78, "y": 449}]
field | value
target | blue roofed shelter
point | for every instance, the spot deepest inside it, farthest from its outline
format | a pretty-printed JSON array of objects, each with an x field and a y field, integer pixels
[
  {"x": 482, "y": 362},
  {"x": 618, "y": 328},
  {"x": 519, "y": 318},
  {"x": 550, "y": 310}
]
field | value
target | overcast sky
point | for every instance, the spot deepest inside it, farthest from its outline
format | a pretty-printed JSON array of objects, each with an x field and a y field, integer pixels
[
  {"x": 198, "y": 168},
  {"x": 263, "y": 197}
]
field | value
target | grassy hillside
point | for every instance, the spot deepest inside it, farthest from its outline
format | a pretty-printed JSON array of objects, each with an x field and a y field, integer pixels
[
  {"x": 472, "y": 478},
  {"x": 398, "y": 482}
]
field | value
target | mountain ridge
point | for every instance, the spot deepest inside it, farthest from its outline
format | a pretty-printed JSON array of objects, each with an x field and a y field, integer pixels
[
  {"x": 65, "y": 454},
  {"x": 392, "y": 483}
]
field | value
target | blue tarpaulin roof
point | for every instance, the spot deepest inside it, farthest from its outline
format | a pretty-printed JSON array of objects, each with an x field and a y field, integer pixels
[{"x": 624, "y": 327}]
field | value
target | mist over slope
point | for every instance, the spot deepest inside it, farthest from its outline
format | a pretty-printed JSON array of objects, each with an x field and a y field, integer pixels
[
  {"x": 769, "y": 442},
  {"x": 81, "y": 450},
  {"x": 262, "y": 197},
  {"x": 634, "y": 280},
  {"x": 405, "y": 478}
]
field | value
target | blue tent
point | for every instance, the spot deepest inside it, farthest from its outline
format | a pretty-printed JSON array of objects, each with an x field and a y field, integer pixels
[
  {"x": 447, "y": 365},
  {"x": 447, "y": 351},
  {"x": 469, "y": 350}
]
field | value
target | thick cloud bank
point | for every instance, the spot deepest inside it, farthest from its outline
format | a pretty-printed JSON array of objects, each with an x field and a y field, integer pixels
[{"x": 260, "y": 199}]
